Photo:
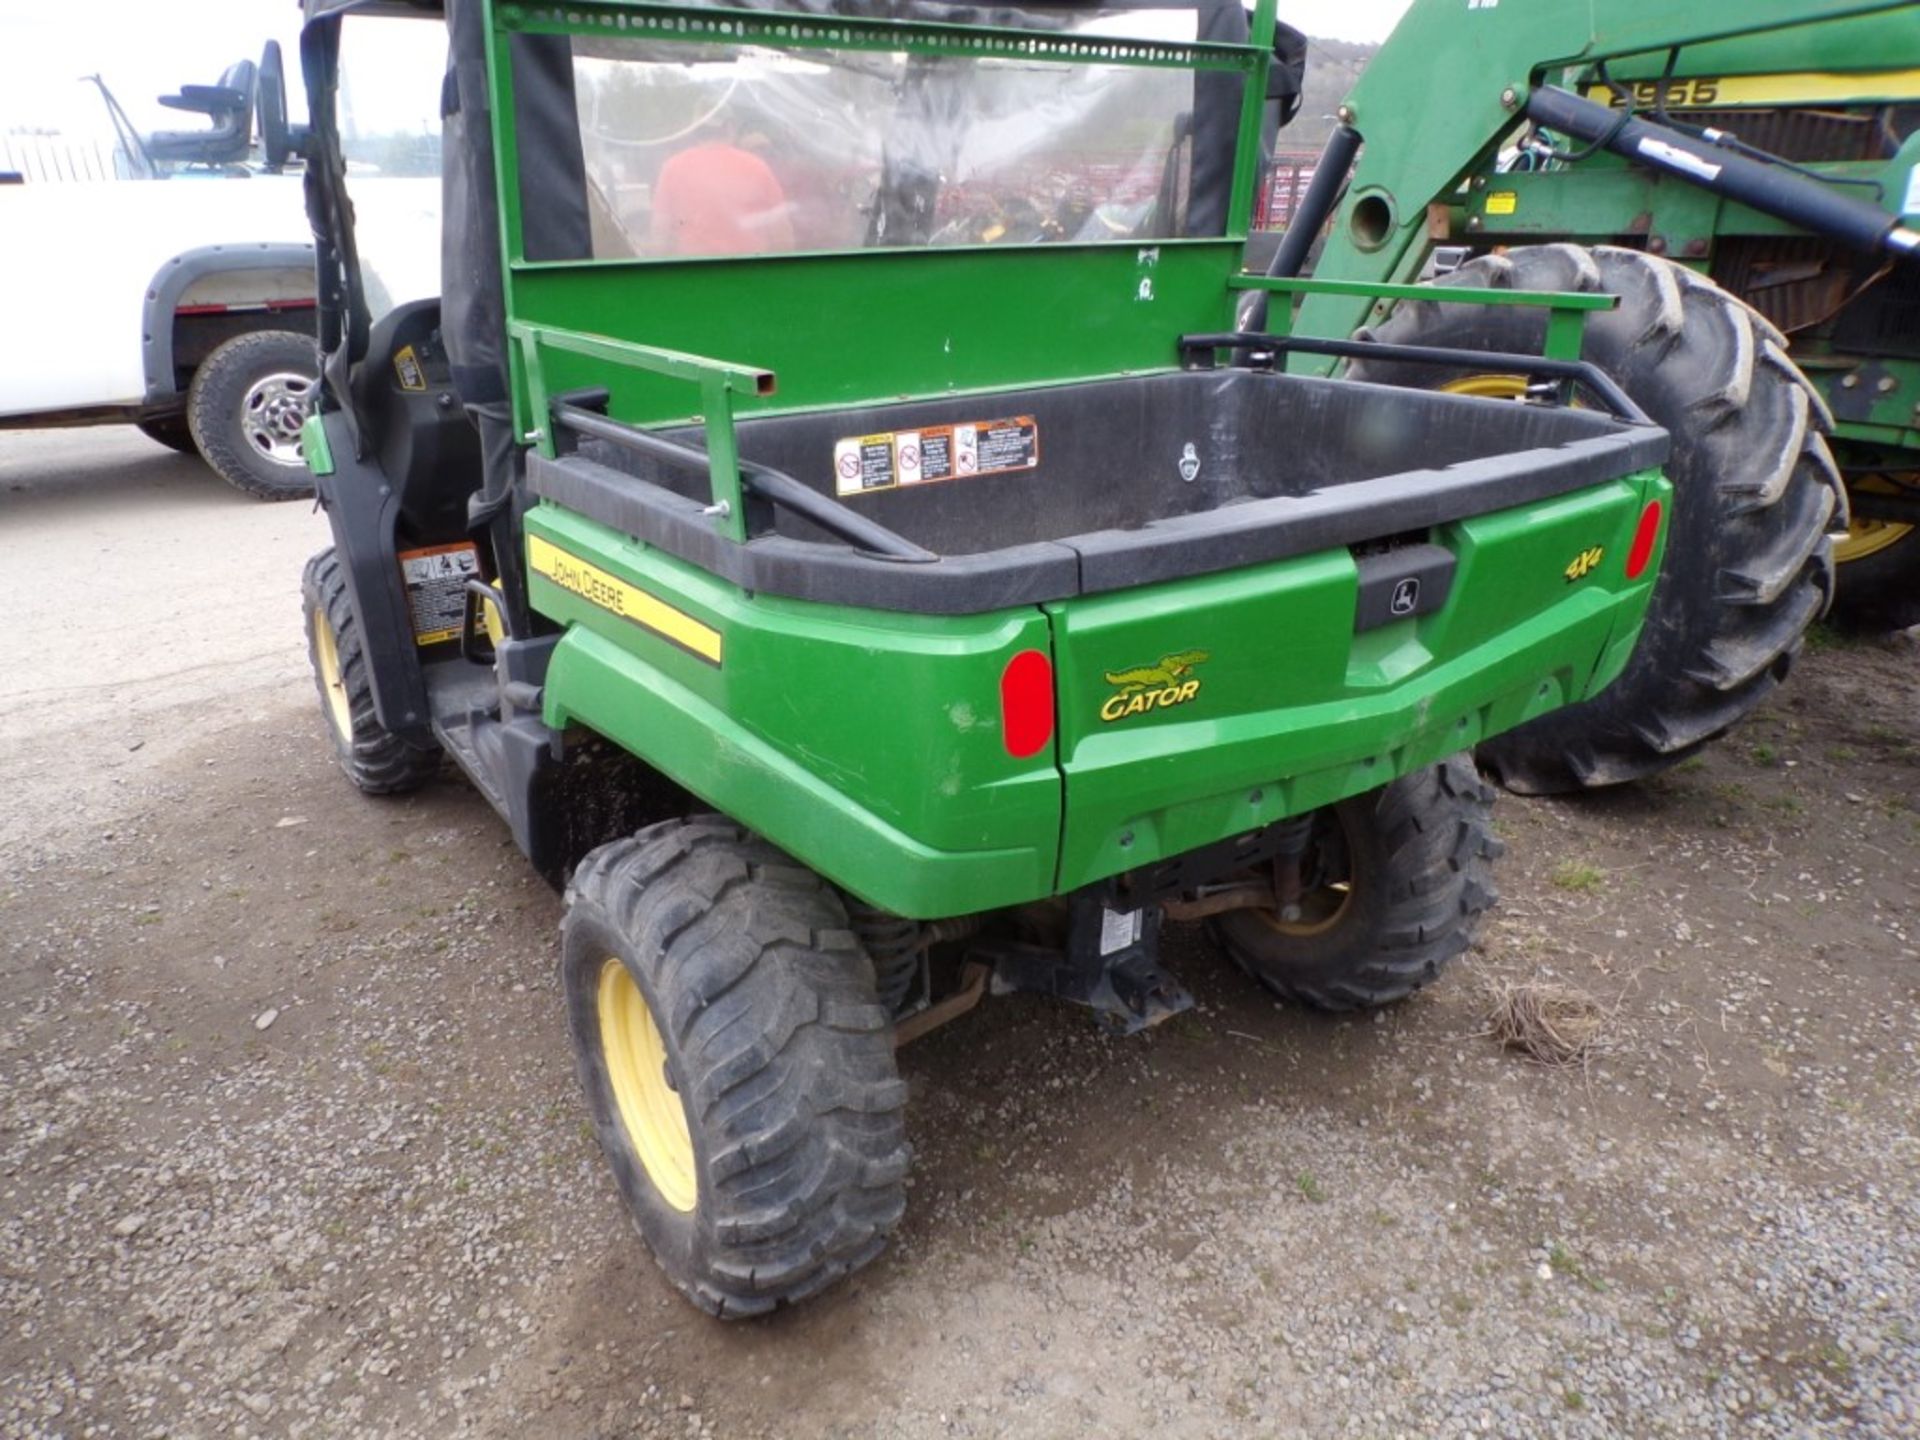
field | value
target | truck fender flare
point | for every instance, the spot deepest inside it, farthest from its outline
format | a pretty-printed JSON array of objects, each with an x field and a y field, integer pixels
[{"x": 170, "y": 282}]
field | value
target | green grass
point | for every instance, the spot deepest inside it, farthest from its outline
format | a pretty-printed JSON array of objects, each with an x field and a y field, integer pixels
[
  {"x": 1764, "y": 754},
  {"x": 1309, "y": 1187},
  {"x": 1564, "y": 1262},
  {"x": 1574, "y": 1400},
  {"x": 1578, "y": 877}
]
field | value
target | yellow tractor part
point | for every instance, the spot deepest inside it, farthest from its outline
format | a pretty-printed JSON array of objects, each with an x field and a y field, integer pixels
[
  {"x": 1488, "y": 387},
  {"x": 650, "y": 1108},
  {"x": 1870, "y": 537}
]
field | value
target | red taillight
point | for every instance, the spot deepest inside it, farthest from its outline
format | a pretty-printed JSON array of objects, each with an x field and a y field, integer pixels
[
  {"x": 1643, "y": 540},
  {"x": 1026, "y": 703}
]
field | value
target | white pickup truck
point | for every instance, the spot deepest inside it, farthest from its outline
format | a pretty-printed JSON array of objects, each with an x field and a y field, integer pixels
[{"x": 184, "y": 304}]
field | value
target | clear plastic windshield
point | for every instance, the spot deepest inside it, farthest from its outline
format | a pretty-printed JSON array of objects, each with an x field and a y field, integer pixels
[{"x": 707, "y": 150}]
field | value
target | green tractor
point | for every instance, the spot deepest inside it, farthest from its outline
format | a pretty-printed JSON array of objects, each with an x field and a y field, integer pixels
[
  {"x": 1738, "y": 176},
  {"x": 832, "y": 515}
]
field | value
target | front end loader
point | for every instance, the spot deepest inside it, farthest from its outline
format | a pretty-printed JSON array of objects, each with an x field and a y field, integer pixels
[{"x": 1744, "y": 179}]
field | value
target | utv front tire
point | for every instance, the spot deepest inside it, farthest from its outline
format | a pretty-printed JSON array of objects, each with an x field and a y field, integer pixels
[
  {"x": 245, "y": 408},
  {"x": 376, "y": 760},
  {"x": 1748, "y": 562},
  {"x": 737, "y": 1065},
  {"x": 1402, "y": 876}
]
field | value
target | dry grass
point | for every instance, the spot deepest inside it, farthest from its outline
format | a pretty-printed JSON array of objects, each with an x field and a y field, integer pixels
[{"x": 1556, "y": 1025}]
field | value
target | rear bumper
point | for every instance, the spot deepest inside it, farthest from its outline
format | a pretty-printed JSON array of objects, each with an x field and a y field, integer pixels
[{"x": 868, "y": 745}]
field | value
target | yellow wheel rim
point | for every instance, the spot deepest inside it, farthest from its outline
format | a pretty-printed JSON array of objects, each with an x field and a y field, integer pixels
[
  {"x": 1319, "y": 912},
  {"x": 326, "y": 654},
  {"x": 1870, "y": 537},
  {"x": 1488, "y": 387},
  {"x": 655, "y": 1118},
  {"x": 1322, "y": 907}
]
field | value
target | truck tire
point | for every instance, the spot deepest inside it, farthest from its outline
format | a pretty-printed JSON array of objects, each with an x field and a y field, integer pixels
[
  {"x": 737, "y": 1065},
  {"x": 245, "y": 407},
  {"x": 1749, "y": 563},
  {"x": 1877, "y": 566},
  {"x": 1398, "y": 880},
  {"x": 171, "y": 431},
  {"x": 376, "y": 760}
]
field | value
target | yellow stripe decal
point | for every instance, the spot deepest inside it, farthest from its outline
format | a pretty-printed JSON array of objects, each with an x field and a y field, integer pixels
[
  {"x": 1859, "y": 87},
  {"x": 616, "y": 596}
]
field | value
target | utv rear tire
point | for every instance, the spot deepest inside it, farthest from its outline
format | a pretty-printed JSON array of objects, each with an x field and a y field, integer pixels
[
  {"x": 376, "y": 760},
  {"x": 784, "y": 1169},
  {"x": 244, "y": 409},
  {"x": 171, "y": 431},
  {"x": 1418, "y": 872},
  {"x": 1748, "y": 563}
]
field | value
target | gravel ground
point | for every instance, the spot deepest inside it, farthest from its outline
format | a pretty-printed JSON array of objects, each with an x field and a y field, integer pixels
[{"x": 290, "y": 1145}]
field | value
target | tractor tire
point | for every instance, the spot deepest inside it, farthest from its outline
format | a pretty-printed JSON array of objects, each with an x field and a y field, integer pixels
[
  {"x": 1406, "y": 871},
  {"x": 1877, "y": 568},
  {"x": 245, "y": 407},
  {"x": 376, "y": 760},
  {"x": 1755, "y": 492},
  {"x": 171, "y": 431},
  {"x": 737, "y": 1064}
]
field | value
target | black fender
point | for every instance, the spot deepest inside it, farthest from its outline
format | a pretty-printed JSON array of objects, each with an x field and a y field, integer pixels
[
  {"x": 170, "y": 282},
  {"x": 363, "y": 511}
]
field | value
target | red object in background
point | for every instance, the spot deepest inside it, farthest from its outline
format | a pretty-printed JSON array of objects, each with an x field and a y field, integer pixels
[
  {"x": 1026, "y": 704},
  {"x": 717, "y": 199}
]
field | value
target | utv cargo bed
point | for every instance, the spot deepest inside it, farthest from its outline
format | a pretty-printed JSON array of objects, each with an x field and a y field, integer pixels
[{"x": 1109, "y": 484}]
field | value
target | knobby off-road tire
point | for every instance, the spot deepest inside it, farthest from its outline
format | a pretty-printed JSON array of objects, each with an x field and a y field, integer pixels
[
  {"x": 244, "y": 408},
  {"x": 1419, "y": 871},
  {"x": 171, "y": 431},
  {"x": 783, "y": 1169},
  {"x": 1748, "y": 562},
  {"x": 376, "y": 760}
]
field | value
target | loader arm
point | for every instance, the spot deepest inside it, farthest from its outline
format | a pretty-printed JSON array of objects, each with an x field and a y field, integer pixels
[{"x": 1498, "y": 52}]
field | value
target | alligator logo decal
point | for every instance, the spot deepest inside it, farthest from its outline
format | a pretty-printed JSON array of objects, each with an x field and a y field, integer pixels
[{"x": 1153, "y": 687}]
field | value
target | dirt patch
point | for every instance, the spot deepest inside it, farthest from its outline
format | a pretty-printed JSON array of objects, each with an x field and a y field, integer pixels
[{"x": 380, "y": 1211}]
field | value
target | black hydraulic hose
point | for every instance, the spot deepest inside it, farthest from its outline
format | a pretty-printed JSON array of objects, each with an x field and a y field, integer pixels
[
  {"x": 1770, "y": 189},
  {"x": 1323, "y": 193}
]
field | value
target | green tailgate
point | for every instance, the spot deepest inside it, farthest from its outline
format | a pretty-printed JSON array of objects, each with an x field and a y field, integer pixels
[{"x": 1290, "y": 710}]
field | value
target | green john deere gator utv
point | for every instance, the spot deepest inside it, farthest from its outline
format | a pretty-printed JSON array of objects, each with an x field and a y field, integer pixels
[
  {"x": 1746, "y": 178},
  {"x": 832, "y": 517}
]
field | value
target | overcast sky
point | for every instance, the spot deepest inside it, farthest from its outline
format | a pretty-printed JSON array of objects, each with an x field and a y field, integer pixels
[{"x": 145, "y": 47}]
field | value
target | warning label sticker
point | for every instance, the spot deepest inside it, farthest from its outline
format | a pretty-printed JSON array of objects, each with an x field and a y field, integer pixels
[
  {"x": 436, "y": 580},
  {"x": 939, "y": 452}
]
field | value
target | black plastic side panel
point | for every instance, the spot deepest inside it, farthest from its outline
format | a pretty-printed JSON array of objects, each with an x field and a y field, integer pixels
[
  {"x": 163, "y": 298},
  {"x": 362, "y": 509},
  {"x": 804, "y": 569}
]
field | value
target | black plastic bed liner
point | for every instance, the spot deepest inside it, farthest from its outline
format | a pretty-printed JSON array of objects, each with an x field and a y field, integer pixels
[{"x": 1120, "y": 483}]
